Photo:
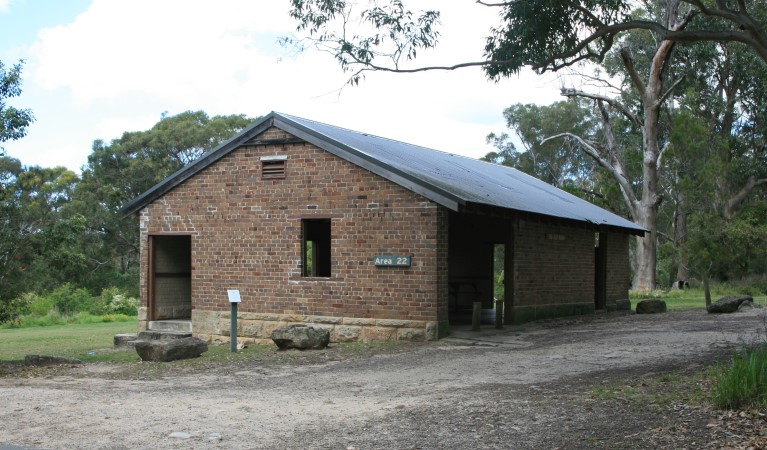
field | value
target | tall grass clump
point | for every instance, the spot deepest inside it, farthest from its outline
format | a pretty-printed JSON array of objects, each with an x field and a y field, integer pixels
[{"x": 742, "y": 384}]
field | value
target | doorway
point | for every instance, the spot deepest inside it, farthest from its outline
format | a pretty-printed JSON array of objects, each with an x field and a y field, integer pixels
[{"x": 170, "y": 277}]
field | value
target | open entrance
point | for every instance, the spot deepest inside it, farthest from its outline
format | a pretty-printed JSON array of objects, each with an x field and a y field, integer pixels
[
  {"x": 170, "y": 277},
  {"x": 600, "y": 271},
  {"x": 476, "y": 266}
]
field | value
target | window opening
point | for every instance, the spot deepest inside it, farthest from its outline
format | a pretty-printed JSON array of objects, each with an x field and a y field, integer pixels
[{"x": 316, "y": 247}]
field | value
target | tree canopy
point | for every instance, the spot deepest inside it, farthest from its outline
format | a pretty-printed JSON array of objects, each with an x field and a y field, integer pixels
[{"x": 13, "y": 121}]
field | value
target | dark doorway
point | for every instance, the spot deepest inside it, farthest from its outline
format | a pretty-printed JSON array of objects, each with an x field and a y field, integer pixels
[
  {"x": 600, "y": 271},
  {"x": 170, "y": 277}
]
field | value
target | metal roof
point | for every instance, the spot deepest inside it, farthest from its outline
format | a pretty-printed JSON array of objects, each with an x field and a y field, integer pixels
[{"x": 447, "y": 179}]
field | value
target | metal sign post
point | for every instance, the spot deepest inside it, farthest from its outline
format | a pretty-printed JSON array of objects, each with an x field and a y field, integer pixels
[{"x": 234, "y": 299}]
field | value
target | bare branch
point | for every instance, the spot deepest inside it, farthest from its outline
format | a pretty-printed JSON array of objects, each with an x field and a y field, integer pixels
[
  {"x": 732, "y": 205},
  {"x": 610, "y": 101},
  {"x": 669, "y": 91},
  {"x": 590, "y": 149},
  {"x": 628, "y": 63}
]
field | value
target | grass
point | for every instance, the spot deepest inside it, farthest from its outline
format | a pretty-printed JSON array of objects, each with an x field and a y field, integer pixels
[
  {"x": 743, "y": 383},
  {"x": 54, "y": 318},
  {"x": 81, "y": 341},
  {"x": 677, "y": 300}
]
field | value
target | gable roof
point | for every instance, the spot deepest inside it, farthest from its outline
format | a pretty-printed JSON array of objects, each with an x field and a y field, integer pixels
[{"x": 450, "y": 180}]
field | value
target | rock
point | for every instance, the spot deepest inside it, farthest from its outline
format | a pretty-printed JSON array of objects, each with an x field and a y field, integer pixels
[
  {"x": 623, "y": 304},
  {"x": 171, "y": 350},
  {"x": 729, "y": 304},
  {"x": 43, "y": 360},
  {"x": 125, "y": 340},
  {"x": 301, "y": 336},
  {"x": 215, "y": 437},
  {"x": 651, "y": 306},
  {"x": 748, "y": 304}
]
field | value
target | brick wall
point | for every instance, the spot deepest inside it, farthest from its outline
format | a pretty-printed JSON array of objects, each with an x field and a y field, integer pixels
[
  {"x": 553, "y": 270},
  {"x": 618, "y": 267},
  {"x": 246, "y": 235}
]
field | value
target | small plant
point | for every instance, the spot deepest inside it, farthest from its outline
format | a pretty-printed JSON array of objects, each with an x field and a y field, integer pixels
[{"x": 744, "y": 382}]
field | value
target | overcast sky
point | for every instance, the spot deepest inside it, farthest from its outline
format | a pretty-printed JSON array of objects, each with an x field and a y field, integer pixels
[{"x": 97, "y": 68}]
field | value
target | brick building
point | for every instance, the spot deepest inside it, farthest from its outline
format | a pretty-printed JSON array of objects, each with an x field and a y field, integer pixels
[{"x": 369, "y": 237}]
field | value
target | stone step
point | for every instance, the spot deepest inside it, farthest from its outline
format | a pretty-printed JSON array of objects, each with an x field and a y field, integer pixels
[
  {"x": 170, "y": 325},
  {"x": 158, "y": 335}
]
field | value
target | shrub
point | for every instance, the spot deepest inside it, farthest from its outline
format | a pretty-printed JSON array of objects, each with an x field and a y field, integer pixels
[
  {"x": 70, "y": 300},
  {"x": 11, "y": 310},
  {"x": 744, "y": 382},
  {"x": 116, "y": 301},
  {"x": 39, "y": 306}
]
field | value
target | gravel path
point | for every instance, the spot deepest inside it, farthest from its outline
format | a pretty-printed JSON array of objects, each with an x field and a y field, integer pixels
[{"x": 525, "y": 387}]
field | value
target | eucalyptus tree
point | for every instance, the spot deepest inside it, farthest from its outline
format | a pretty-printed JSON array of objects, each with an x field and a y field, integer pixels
[
  {"x": 13, "y": 121},
  {"x": 548, "y": 36}
]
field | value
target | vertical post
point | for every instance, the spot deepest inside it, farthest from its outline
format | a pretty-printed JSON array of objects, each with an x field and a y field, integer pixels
[
  {"x": 233, "y": 329},
  {"x": 234, "y": 299},
  {"x": 476, "y": 316},
  {"x": 499, "y": 313}
]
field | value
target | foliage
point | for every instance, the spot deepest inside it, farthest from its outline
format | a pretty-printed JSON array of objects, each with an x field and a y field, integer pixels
[
  {"x": 123, "y": 169},
  {"x": 542, "y": 34},
  {"x": 68, "y": 300},
  {"x": 12, "y": 310},
  {"x": 38, "y": 251},
  {"x": 13, "y": 121},
  {"x": 116, "y": 301},
  {"x": 743, "y": 383}
]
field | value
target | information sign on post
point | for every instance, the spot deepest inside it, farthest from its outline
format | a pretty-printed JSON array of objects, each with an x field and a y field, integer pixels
[{"x": 234, "y": 300}]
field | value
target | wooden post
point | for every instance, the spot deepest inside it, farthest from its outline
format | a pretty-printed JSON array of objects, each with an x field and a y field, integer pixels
[
  {"x": 499, "y": 313},
  {"x": 476, "y": 316}
]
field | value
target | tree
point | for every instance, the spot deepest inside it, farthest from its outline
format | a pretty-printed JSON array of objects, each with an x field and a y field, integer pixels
[
  {"x": 13, "y": 121},
  {"x": 548, "y": 36},
  {"x": 545, "y": 35},
  {"x": 37, "y": 250},
  {"x": 560, "y": 163},
  {"x": 123, "y": 169}
]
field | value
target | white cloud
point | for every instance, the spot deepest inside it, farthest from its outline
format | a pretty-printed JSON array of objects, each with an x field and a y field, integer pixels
[{"x": 123, "y": 62}]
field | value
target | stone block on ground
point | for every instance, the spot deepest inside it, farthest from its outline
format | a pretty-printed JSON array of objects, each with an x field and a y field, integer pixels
[
  {"x": 125, "y": 340},
  {"x": 729, "y": 304},
  {"x": 301, "y": 337},
  {"x": 44, "y": 360},
  {"x": 651, "y": 306},
  {"x": 171, "y": 350}
]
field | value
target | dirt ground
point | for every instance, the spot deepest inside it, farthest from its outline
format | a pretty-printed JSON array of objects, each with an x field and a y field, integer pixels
[{"x": 603, "y": 381}]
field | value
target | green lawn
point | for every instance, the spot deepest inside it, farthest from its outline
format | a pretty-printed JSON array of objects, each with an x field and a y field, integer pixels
[
  {"x": 74, "y": 340},
  {"x": 686, "y": 299}
]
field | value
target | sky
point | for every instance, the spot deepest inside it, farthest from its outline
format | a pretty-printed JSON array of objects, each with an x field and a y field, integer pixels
[{"x": 97, "y": 68}]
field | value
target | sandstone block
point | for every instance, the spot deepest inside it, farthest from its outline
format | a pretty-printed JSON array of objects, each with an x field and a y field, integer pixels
[
  {"x": 379, "y": 334},
  {"x": 171, "y": 350},
  {"x": 346, "y": 333},
  {"x": 411, "y": 334},
  {"x": 301, "y": 336}
]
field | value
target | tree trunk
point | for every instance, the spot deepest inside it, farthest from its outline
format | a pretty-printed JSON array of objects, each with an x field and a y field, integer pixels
[{"x": 683, "y": 268}]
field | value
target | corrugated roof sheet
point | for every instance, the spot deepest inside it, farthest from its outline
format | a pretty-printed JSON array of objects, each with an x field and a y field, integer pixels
[{"x": 448, "y": 179}]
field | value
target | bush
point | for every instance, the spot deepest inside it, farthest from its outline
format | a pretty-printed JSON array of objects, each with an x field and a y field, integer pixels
[
  {"x": 116, "y": 301},
  {"x": 39, "y": 306},
  {"x": 744, "y": 383},
  {"x": 12, "y": 310},
  {"x": 70, "y": 300}
]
